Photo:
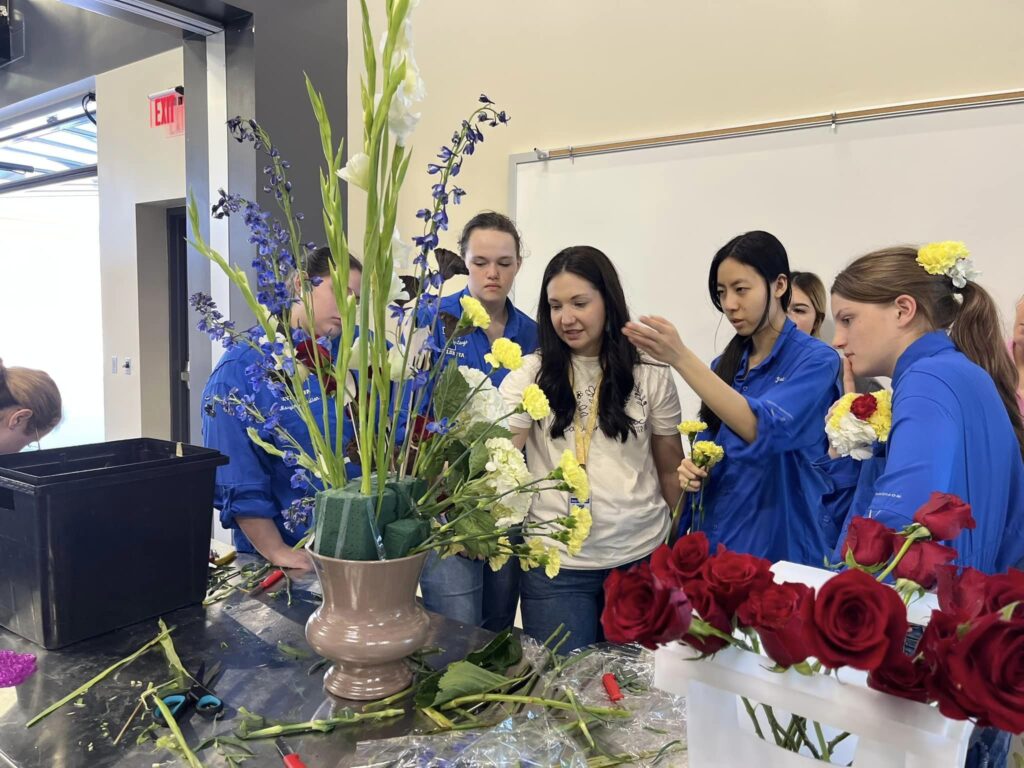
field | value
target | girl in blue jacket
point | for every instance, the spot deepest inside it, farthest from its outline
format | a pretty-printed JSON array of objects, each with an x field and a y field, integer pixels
[
  {"x": 457, "y": 587},
  {"x": 956, "y": 426},
  {"x": 764, "y": 400}
]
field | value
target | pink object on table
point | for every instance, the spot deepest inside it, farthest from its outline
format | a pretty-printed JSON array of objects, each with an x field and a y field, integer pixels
[{"x": 15, "y": 668}]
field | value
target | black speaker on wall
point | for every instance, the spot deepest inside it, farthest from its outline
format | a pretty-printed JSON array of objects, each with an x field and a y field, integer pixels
[
  {"x": 12, "y": 33},
  {"x": 6, "y": 39}
]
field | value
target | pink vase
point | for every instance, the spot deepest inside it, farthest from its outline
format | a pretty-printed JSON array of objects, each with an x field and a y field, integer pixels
[{"x": 368, "y": 623}]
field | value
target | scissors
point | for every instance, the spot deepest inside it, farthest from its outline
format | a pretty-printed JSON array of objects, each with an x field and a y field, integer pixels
[{"x": 199, "y": 695}]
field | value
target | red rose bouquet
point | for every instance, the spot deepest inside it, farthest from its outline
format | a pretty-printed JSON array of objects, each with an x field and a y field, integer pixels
[{"x": 969, "y": 662}]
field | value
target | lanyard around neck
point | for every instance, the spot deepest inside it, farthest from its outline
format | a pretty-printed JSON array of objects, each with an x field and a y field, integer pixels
[{"x": 585, "y": 435}]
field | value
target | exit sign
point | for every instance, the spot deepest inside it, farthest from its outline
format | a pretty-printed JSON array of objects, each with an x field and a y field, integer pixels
[{"x": 167, "y": 109}]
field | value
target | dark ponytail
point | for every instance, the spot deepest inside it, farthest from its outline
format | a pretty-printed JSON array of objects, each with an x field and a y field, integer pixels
[{"x": 765, "y": 253}]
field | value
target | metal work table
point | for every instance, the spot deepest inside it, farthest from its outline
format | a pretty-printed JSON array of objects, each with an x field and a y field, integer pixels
[{"x": 242, "y": 633}]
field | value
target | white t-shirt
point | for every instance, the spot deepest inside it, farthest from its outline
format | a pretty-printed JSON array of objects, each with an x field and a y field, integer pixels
[{"x": 630, "y": 516}]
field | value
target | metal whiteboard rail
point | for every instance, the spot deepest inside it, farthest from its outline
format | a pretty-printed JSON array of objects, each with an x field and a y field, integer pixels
[{"x": 792, "y": 124}]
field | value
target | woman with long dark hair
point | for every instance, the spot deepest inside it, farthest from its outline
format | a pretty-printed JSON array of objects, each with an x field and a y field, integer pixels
[
  {"x": 764, "y": 401},
  {"x": 616, "y": 411}
]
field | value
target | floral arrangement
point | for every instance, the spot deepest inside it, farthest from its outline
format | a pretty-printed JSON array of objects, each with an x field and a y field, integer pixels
[
  {"x": 705, "y": 454},
  {"x": 856, "y": 422},
  {"x": 437, "y": 431},
  {"x": 950, "y": 258},
  {"x": 710, "y": 601}
]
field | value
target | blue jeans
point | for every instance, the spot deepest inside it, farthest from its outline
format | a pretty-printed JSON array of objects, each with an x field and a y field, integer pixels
[
  {"x": 469, "y": 591},
  {"x": 574, "y": 599},
  {"x": 989, "y": 748}
]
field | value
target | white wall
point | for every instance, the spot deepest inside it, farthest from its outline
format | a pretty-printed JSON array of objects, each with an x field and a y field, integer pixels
[
  {"x": 137, "y": 165},
  {"x": 572, "y": 72}
]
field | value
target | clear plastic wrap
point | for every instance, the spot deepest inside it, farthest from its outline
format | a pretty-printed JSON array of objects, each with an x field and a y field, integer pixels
[
  {"x": 654, "y": 734},
  {"x": 525, "y": 741}
]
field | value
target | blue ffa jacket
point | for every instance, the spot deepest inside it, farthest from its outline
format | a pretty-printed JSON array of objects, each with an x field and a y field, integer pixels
[
  {"x": 764, "y": 498},
  {"x": 950, "y": 433},
  {"x": 470, "y": 349},
  {"x": 254, "y": 483}
]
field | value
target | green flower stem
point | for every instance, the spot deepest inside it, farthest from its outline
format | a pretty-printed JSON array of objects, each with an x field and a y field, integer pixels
[
  {"x": 83, "y": 689},
  {"x": 550, "y": 703},
  {"x": 911, "y": 538},
  {"x": 802, "y": 733},
  {"x": 187, "y": 754},
  {"x": 781, "y": 737},
  {"x": 320, "y": 726},
  {"x": 836, "y": 741},
  {"x": 383, "y": 703},
  {"x": 752, "y": 711},
  {"x": 826, "y": 754}
]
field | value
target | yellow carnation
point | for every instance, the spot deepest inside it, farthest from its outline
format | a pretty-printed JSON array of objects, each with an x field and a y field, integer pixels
[
  {"x": 473, "y": 313},
  {"x": 706, "y": 453},
  {"x": 881, "y": 419},
  {"x": 939, "y": 258},
  {"x": 691, "y": 427},
  {"x": 553, "y": 563},
  {"x": 574, "y": 476},
  {"x": 534, "y": 556},
  {"x": 535, "y": 402},
  {"x": 497, "y": 562},
  {"x": 504, "y": 354},
  {"x": 580, "y": 522},
  {"x": 840, "y": 409}
]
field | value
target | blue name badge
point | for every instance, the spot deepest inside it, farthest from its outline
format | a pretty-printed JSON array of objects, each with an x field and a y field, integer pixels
[{"x": 574, "y": 502}]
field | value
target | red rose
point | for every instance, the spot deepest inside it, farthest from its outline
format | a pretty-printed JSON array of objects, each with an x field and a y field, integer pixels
[
  {"x": 863, "y": 406},
  {"x": 869, "y": 541},
  {"x": 945, "y": 515},
  {"x": 984, "y": 674},
  {"x": 683, "y": 561},
  {"x": 732, "y": 576},
  {"x": 1003, "y": 589},
  {"x": 640, "y": 609},
  {"x": 921, "y": 561},
  {"x": 961, "y": 595},
  {"x": 854, "y": 621},
  {"x": 903, "y": 676},
  {"x": 775, "y": 612},
  {"x": 706, "y": 607},
  {"x": 305, "y": 352}
]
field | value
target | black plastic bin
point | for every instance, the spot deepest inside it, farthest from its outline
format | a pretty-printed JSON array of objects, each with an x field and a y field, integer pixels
[{"x": 96, "y": 537}]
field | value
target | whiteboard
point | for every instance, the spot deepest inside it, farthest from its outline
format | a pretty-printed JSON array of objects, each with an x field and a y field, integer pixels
[{"x": 830, "y": 195}]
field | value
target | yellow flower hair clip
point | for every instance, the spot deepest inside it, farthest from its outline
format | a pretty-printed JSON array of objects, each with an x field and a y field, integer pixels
[{"x": 950, "y": 258}]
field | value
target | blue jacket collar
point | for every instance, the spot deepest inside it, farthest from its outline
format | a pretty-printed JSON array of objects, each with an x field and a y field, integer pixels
[
  {"x": 928, "y": 345},
  {"x": 788, "y": 328},
  {"x": 512, "y": 322}
]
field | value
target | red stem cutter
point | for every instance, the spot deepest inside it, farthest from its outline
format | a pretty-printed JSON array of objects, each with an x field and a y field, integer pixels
[{"x": 611, "y": 687}]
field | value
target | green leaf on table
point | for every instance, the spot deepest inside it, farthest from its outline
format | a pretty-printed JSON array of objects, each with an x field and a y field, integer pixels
[
  {"x": 502, "y": 652},
  {"x": 450, "y": 393},
  {"x": 292, "y": 652},
  {"x": 462, "y": 679},
  {"x": 173, "y": 660}
]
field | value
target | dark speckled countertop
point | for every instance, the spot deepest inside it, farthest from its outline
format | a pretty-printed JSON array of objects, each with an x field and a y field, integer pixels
[{"x": 242, "y": 634}]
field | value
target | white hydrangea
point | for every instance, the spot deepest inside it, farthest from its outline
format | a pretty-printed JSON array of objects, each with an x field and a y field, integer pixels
[
  {"x": 486, "y": 406},
  {"x": 853, "y": 437},
  {"x": 507, "y": 471}
]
